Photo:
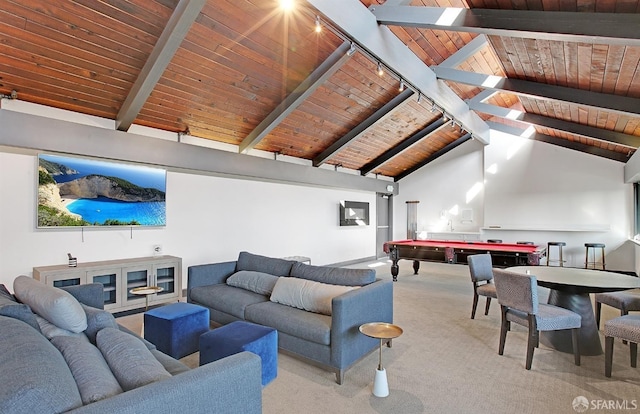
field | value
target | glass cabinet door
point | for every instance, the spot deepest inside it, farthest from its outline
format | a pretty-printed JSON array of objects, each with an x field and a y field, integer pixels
[
  {"x": 64, "y": 278},
  {"x": 135, "y": 277},
  {"x": 166, "y": 275},
  {"x": 166, "y": 278},
  {"x": 110, "y": 280},
  {"x": 66, "y": 281}
]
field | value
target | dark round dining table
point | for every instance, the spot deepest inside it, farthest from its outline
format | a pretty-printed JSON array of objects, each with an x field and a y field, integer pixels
[{"x": 570, "y": 288}]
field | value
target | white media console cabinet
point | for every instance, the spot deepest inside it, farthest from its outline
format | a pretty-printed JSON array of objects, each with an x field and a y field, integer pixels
[{"x": 118, "y": 278}]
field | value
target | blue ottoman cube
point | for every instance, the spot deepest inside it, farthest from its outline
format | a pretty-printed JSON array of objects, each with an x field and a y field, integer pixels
[
  {"x": 175, "y": 329},
  {"x": 242, "y": 336}
]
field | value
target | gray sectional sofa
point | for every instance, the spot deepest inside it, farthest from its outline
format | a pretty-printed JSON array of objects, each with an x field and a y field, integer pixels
[
  {"x": 61, "y": 374},
  {"x": 317, "y": 310}
]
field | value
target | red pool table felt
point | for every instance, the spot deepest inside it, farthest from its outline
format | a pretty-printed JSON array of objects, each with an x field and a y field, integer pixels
[{"x": 473, "y": 245}]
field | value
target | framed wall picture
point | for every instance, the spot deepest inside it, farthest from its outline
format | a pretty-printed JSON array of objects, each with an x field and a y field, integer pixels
[{"x": 74, "y": 191}]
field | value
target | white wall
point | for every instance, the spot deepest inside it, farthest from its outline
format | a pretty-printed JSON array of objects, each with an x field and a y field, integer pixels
[
  {"x": 209, "y": 219},
  {"x": 445, "y": 185},
  {"x": 534, "y": 191}
]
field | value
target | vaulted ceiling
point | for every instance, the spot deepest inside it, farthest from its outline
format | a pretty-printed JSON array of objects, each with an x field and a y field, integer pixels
[{"x": 247, "y": 73}]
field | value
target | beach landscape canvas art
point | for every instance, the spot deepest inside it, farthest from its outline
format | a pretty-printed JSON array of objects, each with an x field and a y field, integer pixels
[{"x": 74, "y": 191}]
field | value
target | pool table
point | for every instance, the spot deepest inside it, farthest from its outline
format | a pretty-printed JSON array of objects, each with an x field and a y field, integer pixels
[{"x": 502, "y": 254}]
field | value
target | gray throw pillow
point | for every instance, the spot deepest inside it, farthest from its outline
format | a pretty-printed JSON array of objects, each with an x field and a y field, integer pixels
[
  {"x": 88, "y": 367},
  {"x": 4, "y": 293},
  {"x": 35, "y": 376},
  {"x": 257, "y": 282},
  {"x": 50, "y": 330},
  {"x": 306, "y": 294},
  {"x": 55, "y": 305},
  {"x": 334, "y": 275},
  {"x": 271, "y": 265},
  {"x": 97, "y": 319},
  {"x": 129, "y": 359}
]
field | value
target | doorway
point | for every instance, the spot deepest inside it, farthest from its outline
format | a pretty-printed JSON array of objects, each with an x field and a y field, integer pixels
[{"x": 384, "y": 222}]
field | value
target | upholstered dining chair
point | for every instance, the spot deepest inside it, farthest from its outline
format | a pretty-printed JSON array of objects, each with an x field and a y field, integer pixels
[
  {"x": 481, "y": 269},
  {"x": 625, "y": 301},
  {"x": 626, "y": 327},
  {"x": 518, "y": 299}
]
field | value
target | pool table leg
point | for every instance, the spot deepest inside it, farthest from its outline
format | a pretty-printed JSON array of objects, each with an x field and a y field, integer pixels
[
  {"x": 394, "y": 270},
  {"x": 416, "y": 267}
]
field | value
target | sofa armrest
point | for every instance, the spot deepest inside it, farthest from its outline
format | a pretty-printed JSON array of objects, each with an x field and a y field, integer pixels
[
  {"x": 228, "y": 386},
  {"x": 370, "y": 303},
  {"x": 91, "y": 294},
  {"x": 208, "y": 274}
]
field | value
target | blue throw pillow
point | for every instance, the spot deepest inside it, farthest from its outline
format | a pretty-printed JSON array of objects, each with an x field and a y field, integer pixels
[
  {"x": 88, "y": 367},
  {"x": 129, "y": 359},
  {"x": 97, "y": 319},
  {"x": 9, "y": 307}
]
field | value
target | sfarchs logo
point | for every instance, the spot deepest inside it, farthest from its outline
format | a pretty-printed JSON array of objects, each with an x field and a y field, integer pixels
[{"x": 581, "y": 404}]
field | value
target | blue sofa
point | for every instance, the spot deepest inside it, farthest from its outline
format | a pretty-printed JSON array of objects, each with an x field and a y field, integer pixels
[
  {"x": 331, "y": 341},
  {"x": 37, "y": 378}
]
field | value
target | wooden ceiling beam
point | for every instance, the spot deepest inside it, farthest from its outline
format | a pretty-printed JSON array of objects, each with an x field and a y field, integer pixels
[
  {"x": 363, "y": 126},
  {"x": 578, "y": 146},
  {"x": 482, "y": 96},
  {"x": 398, "y": 2},
  {"x": 465, "y": 52},
  {"x": 168, "y": 43},
  {"x": 558, "y": 124},
  {"x": 357, "y": 23},
  {"x": 561, "y": 142},
  {"x": 298, "y": 96},
  {"x": 616, "y": 103},
  {"x": 466, "y": 137},
  {"x": 393, "y": 151},
  {"x": 602, "y": 28}
]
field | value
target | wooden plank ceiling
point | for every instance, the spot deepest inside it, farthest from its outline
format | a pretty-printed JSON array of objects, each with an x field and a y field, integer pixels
[{"x": 243, "y": 61}]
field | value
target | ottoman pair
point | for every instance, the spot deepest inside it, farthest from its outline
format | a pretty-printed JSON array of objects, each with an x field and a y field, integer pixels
[{"x": 180, "y": 329}]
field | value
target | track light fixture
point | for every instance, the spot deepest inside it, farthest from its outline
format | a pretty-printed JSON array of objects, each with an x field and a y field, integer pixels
[
  {"x": 380, "y": 69},
  {"x": 351, "y": 50},
  {"x": 12, "y": 95},
  {"x": 446, "y": 118}
]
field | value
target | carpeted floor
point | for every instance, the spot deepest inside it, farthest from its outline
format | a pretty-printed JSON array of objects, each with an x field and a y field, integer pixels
[{"x": 446, "y": 362}]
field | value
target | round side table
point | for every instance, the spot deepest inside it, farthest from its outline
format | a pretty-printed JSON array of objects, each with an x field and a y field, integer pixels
[
  {"x": 381, "y": 331},
  {"x": 146, "y": 291}
]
